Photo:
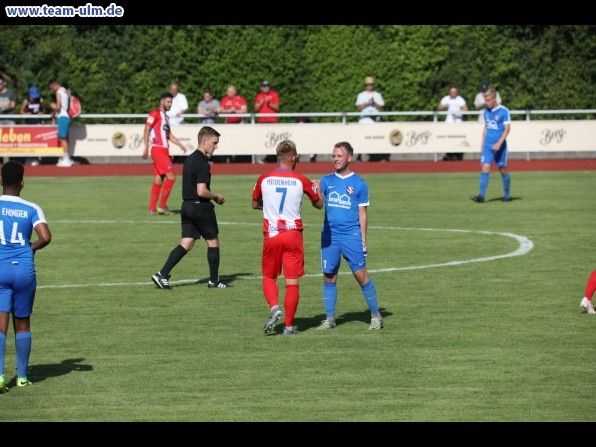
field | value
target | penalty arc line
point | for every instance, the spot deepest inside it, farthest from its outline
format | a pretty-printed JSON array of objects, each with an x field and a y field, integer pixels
[{"x": 525, "y": 246}]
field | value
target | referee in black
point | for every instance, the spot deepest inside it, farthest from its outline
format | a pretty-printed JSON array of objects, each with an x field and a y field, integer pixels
[{"x": 198, "y": 211}]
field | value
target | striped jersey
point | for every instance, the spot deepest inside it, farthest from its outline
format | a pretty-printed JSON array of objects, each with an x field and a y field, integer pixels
[
  {"x": 281, "y": 191},
  {"x": 160, "y": 128},
  {"x": 18, "y": 217}
]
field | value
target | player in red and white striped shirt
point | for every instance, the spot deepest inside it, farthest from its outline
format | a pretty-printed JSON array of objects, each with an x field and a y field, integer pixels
[
  {"x": 279, "y": 194},
  {"x": 158, "y": 134}
]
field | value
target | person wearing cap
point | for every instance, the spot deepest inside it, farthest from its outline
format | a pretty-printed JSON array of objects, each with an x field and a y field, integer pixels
[
  {"x": 369, "y": 103},
  {"x": 33, "y": 105},
  {"x": 267, "y": 101},
  {"x": 7, "y": 101},
  {"x": 479, "y": 103}
]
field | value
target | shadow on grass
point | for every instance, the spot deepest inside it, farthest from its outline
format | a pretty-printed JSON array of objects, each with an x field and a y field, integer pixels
[
  {"x": 304, "y": 324},
  {"x": 39, "y": 373},
  {"x": 227, "y": 280},
  {"x": 500, "y": 199}
]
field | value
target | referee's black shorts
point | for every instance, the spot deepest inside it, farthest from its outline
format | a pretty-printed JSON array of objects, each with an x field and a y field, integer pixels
[{"x": 198, "y": 220}]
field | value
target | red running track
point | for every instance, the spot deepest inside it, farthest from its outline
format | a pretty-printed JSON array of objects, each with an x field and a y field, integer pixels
[{"x": 366, "y": 167}]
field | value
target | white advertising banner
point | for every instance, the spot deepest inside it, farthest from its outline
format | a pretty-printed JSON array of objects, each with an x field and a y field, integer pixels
[{"x": 394, "y": 138}]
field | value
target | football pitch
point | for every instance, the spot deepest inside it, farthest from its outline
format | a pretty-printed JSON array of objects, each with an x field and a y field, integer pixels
[{"x": 480, "y": 305}]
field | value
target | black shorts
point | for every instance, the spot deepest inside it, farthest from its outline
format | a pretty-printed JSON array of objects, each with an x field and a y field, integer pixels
[{"x": 198, "y": 220}]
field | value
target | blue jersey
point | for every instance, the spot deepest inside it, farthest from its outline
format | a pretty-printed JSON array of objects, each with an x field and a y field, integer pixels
[
  {"x": 495, "y": 121},
  {"x": 343, "y": 197},
  {"x": 17, "y": 220}
]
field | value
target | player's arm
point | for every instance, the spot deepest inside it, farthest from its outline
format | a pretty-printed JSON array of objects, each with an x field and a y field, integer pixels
[
  {"x": 204, "y": 193},
  {"x": 363, "y": 219},
  {"x": 320, "y": 201},
  {"x": 257, "y": 204},
  {"x": 257, "y": 198},
  {"x": 146, "y": 141},
  {"x": 177, "y": 142},
  {"x": 44, "y": 236},
  {"x": 498, "y": 144}
]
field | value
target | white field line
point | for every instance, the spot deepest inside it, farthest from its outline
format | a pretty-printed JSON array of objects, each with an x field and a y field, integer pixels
[{"x": 525, "y": 245}]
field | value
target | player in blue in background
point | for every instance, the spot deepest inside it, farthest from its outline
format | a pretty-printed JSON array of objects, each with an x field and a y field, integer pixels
[
  {"x": 344, "y": 234},
  {"x": 18, "y": 281},
  {"x": 494, "y": 145}
]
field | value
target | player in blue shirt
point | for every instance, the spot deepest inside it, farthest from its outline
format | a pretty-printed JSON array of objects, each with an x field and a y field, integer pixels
[
  {"x": 494, "y": 145},
  {"x": 18, "y": 281},
  {"x": 344, "y": 234}
]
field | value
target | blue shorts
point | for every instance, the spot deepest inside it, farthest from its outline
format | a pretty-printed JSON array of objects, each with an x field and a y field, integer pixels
[
  {"x": 499, "y": 157},
  {"x": 18, "y": 282},
  {"x": 63, "y": 125},
  {"x": 332, "y": 250}
]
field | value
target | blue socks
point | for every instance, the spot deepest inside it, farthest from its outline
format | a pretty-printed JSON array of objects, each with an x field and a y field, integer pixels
[
  {"x": 506, "y": 184},
  {"x": 329, "y": 298},
  {"x": 483, "y": 183},
  {"x": 370, "y": 296},
  {"x": 23, "y": 348}
]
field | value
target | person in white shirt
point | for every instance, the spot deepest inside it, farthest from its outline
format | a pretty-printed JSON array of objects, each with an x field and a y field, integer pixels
[
  {"x": 179, "y": 106},
  {"x": 369, "y": 103},
  {"x": 479, "y": 102},
  {"x": 454, "y": 104}
]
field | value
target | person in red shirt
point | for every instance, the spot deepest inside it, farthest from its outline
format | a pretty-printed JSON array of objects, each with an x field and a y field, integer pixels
[
  {"x": 266, "y": 101},
  {"x": 158, "y": 134},
  {"x": 279, "y": 194},
  {"x": 233, "y": 103}
]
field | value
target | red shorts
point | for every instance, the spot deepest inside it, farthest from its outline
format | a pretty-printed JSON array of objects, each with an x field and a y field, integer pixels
[
  {"x": 286, "y": 250},
  {"x": 162, "y": 163}
]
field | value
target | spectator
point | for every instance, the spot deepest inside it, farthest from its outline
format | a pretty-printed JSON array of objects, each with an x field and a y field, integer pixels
[
  {"x": 283, "y": 245},
  {"x": 62, "y": 120},
  {"x": 267, "y": 101},
  {"x": 158, "y": 134},
  {"x": 233, "y": 103},
  {"x": 17, "y": 275},
  {"x": 344, "y": 234},
  {"x": 454, "y": 104},
  {"x": 197, "y": 216},
  {"x": 494, "y": 145},
  {"x": 479, "y": 102},
  {"x": 33, "y": 105},
  {"x": 7, "y": 101},
  {"x": 179, "y": 106},
  {"x": 208, "y": 107},
  {"x": 586, "y": 305},
  {"x": 369, "y": 103}
]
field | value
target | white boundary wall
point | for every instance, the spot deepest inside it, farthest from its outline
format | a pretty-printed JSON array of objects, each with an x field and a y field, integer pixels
[{"x": 393, "y": 138}]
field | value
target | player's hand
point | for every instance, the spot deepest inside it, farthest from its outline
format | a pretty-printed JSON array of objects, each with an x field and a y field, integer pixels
[
  {"x": 145, "y": 154},
  {"x": 365, "y": 249}
]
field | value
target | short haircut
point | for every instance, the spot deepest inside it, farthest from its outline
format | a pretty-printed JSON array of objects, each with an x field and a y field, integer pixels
[
  {"x": 207, "y": 131},
  {"x": 52, "y": 82},
  {"x": 12, "y": 173},
  {"x": 490, "y": 92},
  {"x": 286, "y": 149},
  {"x": 165, "y": 95},
  {"x": 347, "y": 146}
]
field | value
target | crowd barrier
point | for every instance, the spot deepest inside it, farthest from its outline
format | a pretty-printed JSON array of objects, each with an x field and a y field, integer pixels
[{"x": 426, "y": 137}]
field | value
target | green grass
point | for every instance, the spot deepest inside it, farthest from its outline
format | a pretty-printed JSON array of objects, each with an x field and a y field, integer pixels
[{"x": 498, "y": 339}]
